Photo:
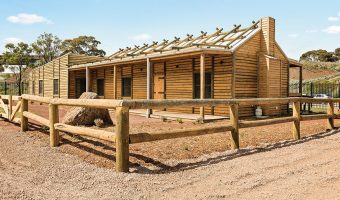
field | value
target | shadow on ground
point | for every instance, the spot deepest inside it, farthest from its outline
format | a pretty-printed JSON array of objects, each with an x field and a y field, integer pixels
[{"x": 157, "y": 167}]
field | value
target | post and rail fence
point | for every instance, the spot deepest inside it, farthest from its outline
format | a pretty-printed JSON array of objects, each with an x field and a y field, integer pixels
[{"x": 122, "y": 138}]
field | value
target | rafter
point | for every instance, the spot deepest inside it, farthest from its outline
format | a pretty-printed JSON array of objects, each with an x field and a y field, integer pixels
[
  {"x": 203, "y": 34},
  {"x": 242, "y": 34},
  {"x": 138, "y": 49},
  {"x": 234, "y": 30},
  {"x": 126, "y": 51},
  {"x": 121, "y": 50},
  {"x": 165, "y": 42},
  {"x": 170, "y": 43},
  {"x": 141, "y": 51},
  {"x": 218, "y": 39},
  {"x": 188, "y": 38},
  {"x": 204, "y": 40}
]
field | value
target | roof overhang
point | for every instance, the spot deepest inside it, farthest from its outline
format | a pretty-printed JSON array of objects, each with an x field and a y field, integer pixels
[
  {"x": 154, "y": 57},
  {"x": 294, "y": 63}
]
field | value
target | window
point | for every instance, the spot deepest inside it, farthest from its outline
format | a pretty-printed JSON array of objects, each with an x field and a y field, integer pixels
[
  {"x": 126, "y": 84},
  {"x": 100, "y": 87},
  {"x": 197, "y": 85},
  {"x": 55, "y": 86},
  {"x": 33, "y": 87},
  {"x": 41, "y": 87}
]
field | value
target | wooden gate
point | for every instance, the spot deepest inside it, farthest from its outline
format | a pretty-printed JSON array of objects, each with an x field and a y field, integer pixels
[{"x": 7, "y": 110}]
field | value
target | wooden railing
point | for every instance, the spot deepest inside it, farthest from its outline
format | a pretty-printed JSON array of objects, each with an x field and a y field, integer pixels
[
  {"x": 122, "y": 138},
  {"x": 10, "y": 111}
]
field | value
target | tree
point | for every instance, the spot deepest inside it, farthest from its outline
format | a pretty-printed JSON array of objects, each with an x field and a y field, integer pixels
[
  {"x": 1, "y": 64},
  {"x": 47, "y": 47},
  {"x": 319, "y": 56},
  {"x": 337, "y": 52},
  {"x": 16, "y": 57},
  {"x": 87, "y": 45}
]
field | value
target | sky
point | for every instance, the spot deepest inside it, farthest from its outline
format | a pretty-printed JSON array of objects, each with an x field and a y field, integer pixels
[{"x": 301, "y": 25}]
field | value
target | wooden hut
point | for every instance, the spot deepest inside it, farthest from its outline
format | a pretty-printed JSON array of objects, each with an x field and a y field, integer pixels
[
  {"x": 52, "y": 79},
  {"x": 239, "y": 63}
]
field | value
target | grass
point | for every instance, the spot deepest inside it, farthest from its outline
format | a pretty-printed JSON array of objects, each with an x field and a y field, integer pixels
[{"x": 334, "y": 66}]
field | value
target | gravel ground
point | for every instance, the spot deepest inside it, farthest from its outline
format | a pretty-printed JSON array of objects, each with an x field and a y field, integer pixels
[{"x": 305, "y": 169}]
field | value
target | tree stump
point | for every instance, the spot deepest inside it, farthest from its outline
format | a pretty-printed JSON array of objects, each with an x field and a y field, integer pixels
[{"x": 86, "y": 116}]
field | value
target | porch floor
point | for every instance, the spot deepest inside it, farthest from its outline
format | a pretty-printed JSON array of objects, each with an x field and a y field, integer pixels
[{"x": 176, "y": 115}]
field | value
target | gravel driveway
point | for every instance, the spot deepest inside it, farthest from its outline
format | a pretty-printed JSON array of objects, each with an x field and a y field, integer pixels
[{"x": 308, "y": 169}]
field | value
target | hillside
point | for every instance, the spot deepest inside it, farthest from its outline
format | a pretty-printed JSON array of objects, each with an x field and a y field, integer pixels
[{"x": 317, "y": 71}]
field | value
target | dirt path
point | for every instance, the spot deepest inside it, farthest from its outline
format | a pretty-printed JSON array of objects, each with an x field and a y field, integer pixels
[{"x": 308, "y": 169}]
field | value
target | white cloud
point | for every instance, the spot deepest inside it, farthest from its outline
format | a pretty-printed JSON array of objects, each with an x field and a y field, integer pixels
[
  {"x": 339, "y": 14},
  {"x": 12, "y": 40},
  {"x": 25, "y": 18},
  {"x": 140, "y": 37},
  {"x": 332, "y": 29},
  {"x": 333, "y": 19},
  {"x": 311, "y": 31},
  {"x": 293, "y": 35}
]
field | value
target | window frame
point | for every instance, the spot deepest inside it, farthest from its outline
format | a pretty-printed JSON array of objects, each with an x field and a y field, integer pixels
[
  {"x": 33, "y": 87},
  {"x": 124, "y": 88},
  {"x": 197, "y": 85},
  {"x": 41, "y": 87},
  {"x": 55, "y": 90}
]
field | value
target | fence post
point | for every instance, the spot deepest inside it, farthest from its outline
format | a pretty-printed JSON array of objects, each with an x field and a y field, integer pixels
[
  {"x": 330, "y": 113},
  {"x": 9, "y": 107},
  {"x": 296, "y": 123},
  {"x": 122, "y": 139},
  {"x": 235, "y": 144},
  {"x": 54, "y": 118},
  {"x": 24, "y": 120}
]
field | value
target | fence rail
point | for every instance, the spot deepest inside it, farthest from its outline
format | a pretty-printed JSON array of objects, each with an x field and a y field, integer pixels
[{"x": 122, "y": 138}]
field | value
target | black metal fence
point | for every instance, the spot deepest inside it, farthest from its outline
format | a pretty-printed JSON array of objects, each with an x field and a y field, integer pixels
[
  {"x": 317, "y": 90},
  {"x": 13, "y": 88}
]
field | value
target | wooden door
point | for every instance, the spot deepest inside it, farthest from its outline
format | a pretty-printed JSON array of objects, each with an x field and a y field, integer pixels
[
  {"x": 158, "y": 82},
  {"x": 80, "y": 86}
]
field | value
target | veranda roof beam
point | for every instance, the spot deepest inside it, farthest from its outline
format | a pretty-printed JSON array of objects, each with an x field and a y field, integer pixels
[
  {"x": 203, "y": 34},
  {"x": 242, "y": 34},
  {"x": 155, "y": 47},
  {"x": 125, "y": 52},
  {"x": 204, "y": 40},
  {"x": 138, "y": 49},
  {"x": 234, "y": 30},
  {"x": 188, "y": 38},
  {"x": 172, "y": 42},
  {"x": 120, "y": 51}
]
